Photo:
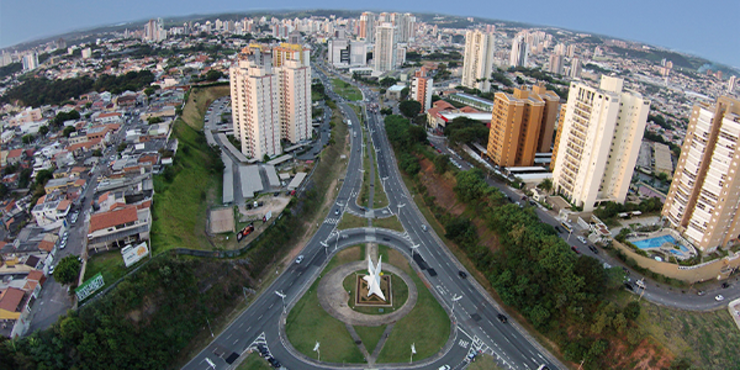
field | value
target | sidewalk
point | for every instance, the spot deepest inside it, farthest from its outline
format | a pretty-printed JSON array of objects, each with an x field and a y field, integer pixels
[{"x": 734, "y": 308}]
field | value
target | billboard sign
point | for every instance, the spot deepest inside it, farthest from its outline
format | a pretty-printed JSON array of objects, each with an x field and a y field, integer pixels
[
  {"x": 133, "y": 254},
  {"x": 90, "y": 286}
]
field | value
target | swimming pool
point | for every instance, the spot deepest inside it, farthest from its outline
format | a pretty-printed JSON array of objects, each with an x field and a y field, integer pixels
[{"x": 658, "y": 241}]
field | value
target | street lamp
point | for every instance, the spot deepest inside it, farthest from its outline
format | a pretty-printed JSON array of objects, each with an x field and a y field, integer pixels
[
  {"x": 455, "y": 299},
  {"x": 281, "y": 295},
  {"x": 414, "y": 248},
  {"x": 399, "y": 209},
  {"x": 316, "y": 349},
  {"x": 326, "y": 247}
]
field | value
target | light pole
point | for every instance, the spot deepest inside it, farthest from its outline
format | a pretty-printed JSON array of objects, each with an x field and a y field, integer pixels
[
  {"x": 318, "y": 352},
  {"x": 326, "y": 247},
  {"x": 399, "y": 209},
  {"x": 643, "y": 289},
  {"x": 413, "y": 249},
  {"x": 209, "y": 327},
  {"x": 413, "y": 351},
  {"x": 281, "y": 295},
  {"x": 455, "y": 299}
]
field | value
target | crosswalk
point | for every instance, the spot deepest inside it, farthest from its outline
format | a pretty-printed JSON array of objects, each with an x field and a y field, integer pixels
[
  {"x": 331, "y": 221},
  {"x": 463, "y": 343}
]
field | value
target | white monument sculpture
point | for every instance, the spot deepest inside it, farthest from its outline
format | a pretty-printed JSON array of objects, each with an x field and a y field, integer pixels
[{"x": 373, "y": 279}]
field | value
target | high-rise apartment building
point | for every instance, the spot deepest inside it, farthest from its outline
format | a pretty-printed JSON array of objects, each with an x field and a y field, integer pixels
[
  {"x": 519, "y": 53},
  {"x": 478, "y": 60},
  {"x": 271, "y": 98},
  {"x": 703, "y": 201},
  {"x": 154, "y": 30},
  {"x": 386, "y": 47},
  {"x": 522, "y": 124},
  {"x": 30, "y": 61},
  {"x": 367, "y": 26},
  {"x": 421, "y": 89},
  {"x": 599, "y": 140},
  {"x": 575, "y": 68},
  {"x": 556, "y": 63},
  {"x": 731, "y": 83}
]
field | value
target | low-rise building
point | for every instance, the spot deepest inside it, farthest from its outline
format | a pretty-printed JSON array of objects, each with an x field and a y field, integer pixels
[{"x": 117, "y": 228}]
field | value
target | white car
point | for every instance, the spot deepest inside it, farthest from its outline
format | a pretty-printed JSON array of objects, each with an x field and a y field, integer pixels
[
  {"x": 582, "y": 239},
  {"x": 299, "y": 259},
  {"x": 719, "y": 298}
]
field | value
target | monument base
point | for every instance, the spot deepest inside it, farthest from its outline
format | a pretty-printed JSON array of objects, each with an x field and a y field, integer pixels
[{"x": 361, "y": 289}]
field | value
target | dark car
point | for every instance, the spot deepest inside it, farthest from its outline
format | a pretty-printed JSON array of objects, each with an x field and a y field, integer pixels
[
  {"x": 573, "y": 247},
  {"x": 275, "y": 363},
  {"x": 558, "y": 229},
  {"x": 462, "y": 274},
  {"x": 432, "y": 272},
  {"x": 629, "y": 286},
  {"x": 502, "y": 318},
  {"x": 593, "y": 249},
  {"x": 626, "y": 271}
]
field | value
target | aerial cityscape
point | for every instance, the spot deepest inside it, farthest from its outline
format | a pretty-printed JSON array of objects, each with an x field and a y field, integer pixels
[{"x": 365, "y": 189}]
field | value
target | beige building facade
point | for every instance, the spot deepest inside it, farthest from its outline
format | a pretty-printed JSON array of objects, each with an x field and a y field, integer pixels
[{"x": 478, "y": 60}]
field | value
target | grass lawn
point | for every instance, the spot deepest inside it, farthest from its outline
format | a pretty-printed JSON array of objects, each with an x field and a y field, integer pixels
[
  {"x": 370, "y": 335},
  {"x": 350, "y": 221},
  {"x": 346, "y": 90},
  {"x": 350, "y": 254},
  {"x": 358, "y": 111},
  {"x": 110, "y": 264},
  {"x": 181, "y": 198},
  {"x": 400, "y": 295},
  {"x": 709, "y": 339},
  {"x": 388, "y": 223},
  {"x": 307, "y": 323},
  {"x": 395, "y": 258},
  {"x": 484, "y": 362},
  {"x": 364, "y": 196},
  {"x": 426, "y": 326},
  {"x": 254, "y": 362}
]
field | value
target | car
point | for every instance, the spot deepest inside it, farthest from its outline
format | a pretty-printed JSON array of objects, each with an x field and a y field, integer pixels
[
  {"x": 462, "y": 274},
  {"x": 63, "y": 244},
  {"x": 336, "y": 212},
  {"x": 299, "y": 259},
  {"x": 626, "y": 271},
  {"x": 582, "y": 239},
  {"x": 51, "y": 269},
  {"x": 424, "y": 227},
  {"x": 701, "y": 293},
  {"x": 502, "y": 318},
  {"x": 593, "y": 249},
  {"x": 557, "y": 228},
  {"x": 719, "y": 298},
  {"x": 629, "y": 286},
  {"x": 432, "y": 272},
  {"x": 275, "y": 363},
  {"x": 543, "y": 367},
  {"x": 444, "y": 367},
  {"x": 725, "y": 285},
  {"x": 575, "y": 249}
]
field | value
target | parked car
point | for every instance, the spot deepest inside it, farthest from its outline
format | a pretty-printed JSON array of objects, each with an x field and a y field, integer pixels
[
  {"x": 582, "y": 239},
  {"x": 725, "y": 285},
  {"x": 593, "y": 249},
  {"x": 575, "y": 249},
  {"x": 51, "y": 269}
]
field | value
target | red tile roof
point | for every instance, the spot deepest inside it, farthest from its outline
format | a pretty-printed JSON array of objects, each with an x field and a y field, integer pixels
[
  {"x": 46, "y": 245},
  {"x": 105, "y": 220},
  {"x": 10, "y": 299}
]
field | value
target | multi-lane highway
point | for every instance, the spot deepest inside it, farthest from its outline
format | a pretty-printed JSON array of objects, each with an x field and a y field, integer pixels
[{"x": 475, "y": 314}]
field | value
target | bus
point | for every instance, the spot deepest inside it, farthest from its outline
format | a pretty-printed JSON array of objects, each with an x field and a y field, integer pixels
[{"x": 567, "y": 226}]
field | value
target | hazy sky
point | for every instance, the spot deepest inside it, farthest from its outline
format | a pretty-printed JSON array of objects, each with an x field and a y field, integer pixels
[{"x": 707, "y": 28}]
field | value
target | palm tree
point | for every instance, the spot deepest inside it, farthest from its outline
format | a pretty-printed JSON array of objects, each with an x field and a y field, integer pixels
[{"x": 546, "y": 185}]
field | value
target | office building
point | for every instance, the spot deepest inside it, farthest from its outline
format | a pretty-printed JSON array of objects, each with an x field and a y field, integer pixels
[
  {"x": 86, "y": 53},
  {"x": 519, "y": 53},
  {"x": 703, "y": 201},
  {"x": 599, "y": 139},
  {"x": 556, "y": 63},
  {"x": 522, "y": 124},
  {"x": 342, "y": 52},
  {"x": 367, "y": 26},
  {"x": 271, "y": 98},
  {"x": 421, "y": 89},
  {"x": 154, "y": 30},
  {"x": 386, "y": 46},
  {"x": 478, "y": 60}
]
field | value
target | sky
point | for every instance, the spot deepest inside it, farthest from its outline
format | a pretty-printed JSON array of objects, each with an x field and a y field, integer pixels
[{"x": 707, "y": 28}]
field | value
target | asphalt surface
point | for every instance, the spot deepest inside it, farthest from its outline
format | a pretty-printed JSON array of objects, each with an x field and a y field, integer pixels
[{"x": 476, "y": 327}]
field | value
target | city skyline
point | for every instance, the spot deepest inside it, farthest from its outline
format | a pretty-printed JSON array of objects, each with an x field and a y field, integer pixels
[{"x": 693, "y": 32}]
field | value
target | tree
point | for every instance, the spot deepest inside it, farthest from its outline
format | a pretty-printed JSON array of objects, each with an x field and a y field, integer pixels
[
  {"x": 68, "y": 131},
  {"x": 404, "y": 92},
  {"x": 97, "y": 153},
  {"x": 3, "y": 190},
  {"x": 441, "y": 163},
  {"x": 410, "y": 108},
  {"x": 68, "y": 270},
  {"x": 27, "y": 139},
  {"x": 149, "y": 91},
  {"x": 43, "y": 130},
  {"x": 387, "y": 82},
  {"x": 213, "y": 75},
  {"x": 545, "y": 185},
  {"x": 153, "y": 120},
  {"x": 632, "y": 310}
]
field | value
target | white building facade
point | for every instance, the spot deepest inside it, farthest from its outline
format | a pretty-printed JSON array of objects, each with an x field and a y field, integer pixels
[{"x": 478, "y": 60}]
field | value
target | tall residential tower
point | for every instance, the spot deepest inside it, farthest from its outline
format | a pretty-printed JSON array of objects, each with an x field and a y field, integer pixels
[
  {"x": 599, "y": 140},
  {"x": 704, "y": 197},
  {"x": 478, "y": 60}
]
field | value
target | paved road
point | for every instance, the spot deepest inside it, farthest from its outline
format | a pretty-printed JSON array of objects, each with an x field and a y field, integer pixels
[
  {"x": 686, "y": 299},
  {"x": 474, "y": 313}
]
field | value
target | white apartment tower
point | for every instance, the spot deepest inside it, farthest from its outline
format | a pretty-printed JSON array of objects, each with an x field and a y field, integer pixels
[
  {"x": 386, "y": 42},
  {"x": 519, "y": 52},
  {"x": 598, "y": 142},
  {"x": 731, "y": 83},
  {"x": 478, "y": 60},
  {"x": 367, "y": 26},
  {"x": 704, "y": 198},
  {"x": 271, "y": 98}
]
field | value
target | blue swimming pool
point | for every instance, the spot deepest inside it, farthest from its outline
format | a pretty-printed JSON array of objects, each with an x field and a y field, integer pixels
[{"x": 656, "y": 242}]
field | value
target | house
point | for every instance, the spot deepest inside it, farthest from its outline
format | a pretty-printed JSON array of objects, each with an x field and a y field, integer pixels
[
  {"x": 10, "y": 303},
  {"x": 118, "y": 227},
  {"x": 16, "y": 156},
  {"x": 109, "y": 117},
  {"x": 126, "y": 101}
]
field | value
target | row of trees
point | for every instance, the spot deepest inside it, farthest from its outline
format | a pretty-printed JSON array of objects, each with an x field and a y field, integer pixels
[{"x": 40, "y": 91}]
